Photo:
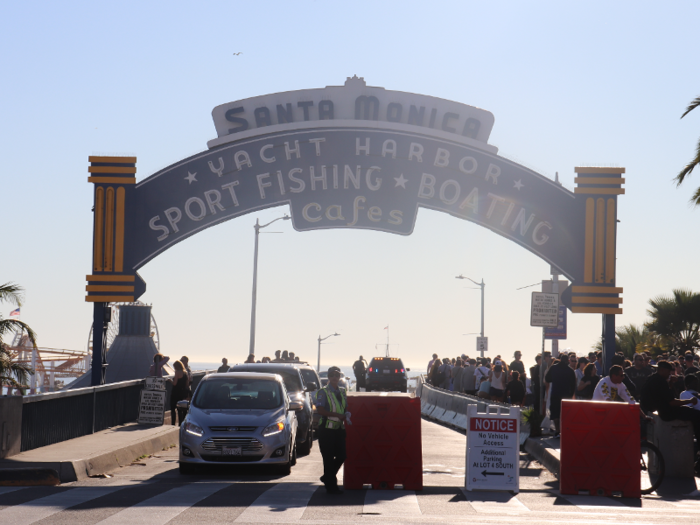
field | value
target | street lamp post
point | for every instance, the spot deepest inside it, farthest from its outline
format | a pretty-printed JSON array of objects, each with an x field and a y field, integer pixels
[
  {"x": 318, "y": 363},
  {"x": 258, "y": 227},
  {"x": 481, "y": 285}
]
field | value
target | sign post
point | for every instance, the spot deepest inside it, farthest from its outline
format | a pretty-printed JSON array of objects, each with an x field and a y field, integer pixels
[
  {"x": 493, "y": 449},
  {"x": 152, "y": 404},
  {"x": 545, "y": 309},
  {"x": 482, "y": 345}
]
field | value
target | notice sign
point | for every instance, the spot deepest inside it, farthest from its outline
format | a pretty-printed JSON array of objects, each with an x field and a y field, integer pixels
[
  {"x": 493, "y": 450},
  {"x": 545, "y": 309},
  {"x": 152, "y": 407}
]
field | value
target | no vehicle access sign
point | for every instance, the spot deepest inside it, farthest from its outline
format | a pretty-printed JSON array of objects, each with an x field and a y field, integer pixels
[{"x": 493, "y": 447}]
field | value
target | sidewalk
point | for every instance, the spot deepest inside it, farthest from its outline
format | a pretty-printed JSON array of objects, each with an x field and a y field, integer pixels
[
  {"x": 545, "y": 449},
  {"x": 80, "y": 458}
]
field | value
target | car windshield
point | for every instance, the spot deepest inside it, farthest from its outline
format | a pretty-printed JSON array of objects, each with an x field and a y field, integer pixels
[
  {"x": 309, "y": 376},
  {"x": 238, "y": 394},
  {"x": 290, "y": 375}
]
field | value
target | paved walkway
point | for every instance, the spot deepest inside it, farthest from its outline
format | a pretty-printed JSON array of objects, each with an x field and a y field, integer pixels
[{"x": 79, "y": 458}]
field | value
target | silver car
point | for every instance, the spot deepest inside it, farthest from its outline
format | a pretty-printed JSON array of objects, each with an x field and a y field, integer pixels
[{"x": 239, "y": 417}]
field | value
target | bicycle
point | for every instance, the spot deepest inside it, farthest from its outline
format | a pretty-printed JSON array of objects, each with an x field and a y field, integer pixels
[{"x": 653, "y": 467}]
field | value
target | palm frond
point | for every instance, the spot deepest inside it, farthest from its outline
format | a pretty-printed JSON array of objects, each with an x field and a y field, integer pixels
[
  {"x": 689, "y": 167},
  {"x": 12, "y": 293},
  {"x": 695, "y": 103}
]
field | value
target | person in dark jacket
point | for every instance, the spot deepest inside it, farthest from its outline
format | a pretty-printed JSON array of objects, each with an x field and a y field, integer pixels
[{"x": 562, "y": 381}]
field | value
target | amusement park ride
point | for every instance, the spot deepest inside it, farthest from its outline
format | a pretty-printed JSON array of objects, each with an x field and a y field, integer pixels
[{"x": 56, "y": 367}]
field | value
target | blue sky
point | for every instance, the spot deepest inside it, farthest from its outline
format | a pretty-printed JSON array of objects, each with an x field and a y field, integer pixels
[{"x": 569, "y": 84}]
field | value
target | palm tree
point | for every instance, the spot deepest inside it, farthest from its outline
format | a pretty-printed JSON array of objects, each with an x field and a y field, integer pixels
[
  {"x": 630, "y": 339},
  {"x": 677, "y": 318},
  {"x": 695, "y": 199},
  {"x": 12, "y": 373}
]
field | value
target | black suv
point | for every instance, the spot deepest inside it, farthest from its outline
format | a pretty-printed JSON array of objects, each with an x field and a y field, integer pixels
[
  {"x": 386, "y": 373},
  {"x": 298, "y": 390}
]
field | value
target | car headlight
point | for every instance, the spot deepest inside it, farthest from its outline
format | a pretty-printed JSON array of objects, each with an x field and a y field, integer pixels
[
  {"x": 273, "y": 429},
  {"x": 193, "y": 429}
]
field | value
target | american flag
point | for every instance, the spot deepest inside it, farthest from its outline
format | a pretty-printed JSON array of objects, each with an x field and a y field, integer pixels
[
  {"x": 386, "y": 327},
  {"x": 14, "y": 313}
]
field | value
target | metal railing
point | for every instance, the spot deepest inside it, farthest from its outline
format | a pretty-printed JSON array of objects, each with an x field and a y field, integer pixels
[{"x": 58, "y": 416}]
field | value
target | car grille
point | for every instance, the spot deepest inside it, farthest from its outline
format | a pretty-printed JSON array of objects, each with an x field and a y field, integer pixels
[
  {"x": 247, "y": 444},
  {"x": 231, "y": 459},
  {"x": 232, "y": 429}
]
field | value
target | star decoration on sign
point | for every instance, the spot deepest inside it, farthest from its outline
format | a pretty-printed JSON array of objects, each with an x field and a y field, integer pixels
[
  {"x": 400, "y": 181},
  {"x": 191, "y": 177},
  {"x": 517, "y": 184}
]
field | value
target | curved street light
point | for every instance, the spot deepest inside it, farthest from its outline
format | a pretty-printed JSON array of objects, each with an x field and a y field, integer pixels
[
  {"x": 258, "y": 227},
  {"x": 318, "y": 363}
]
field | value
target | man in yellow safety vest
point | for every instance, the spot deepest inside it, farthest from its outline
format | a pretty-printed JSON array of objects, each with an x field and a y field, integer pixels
[{"x": 332, "y": 404}]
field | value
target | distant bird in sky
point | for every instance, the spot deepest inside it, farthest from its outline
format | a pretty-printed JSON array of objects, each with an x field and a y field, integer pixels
[{"x": 237, "y": 53}]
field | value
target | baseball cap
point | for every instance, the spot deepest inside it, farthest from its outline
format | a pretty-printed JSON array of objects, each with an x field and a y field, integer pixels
[{"x": 333, "y": 369}]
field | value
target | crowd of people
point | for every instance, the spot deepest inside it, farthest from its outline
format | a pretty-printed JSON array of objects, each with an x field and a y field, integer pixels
[
  {"x": 493, "y": 380},
  {"x": 667, "y": 385}
]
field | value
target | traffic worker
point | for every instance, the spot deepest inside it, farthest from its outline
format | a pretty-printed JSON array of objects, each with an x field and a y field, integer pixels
[{"x": 332, "y": 404}]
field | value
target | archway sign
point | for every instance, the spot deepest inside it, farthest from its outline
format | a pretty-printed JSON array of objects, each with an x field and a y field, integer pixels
[{"x": 353, "y": 156}]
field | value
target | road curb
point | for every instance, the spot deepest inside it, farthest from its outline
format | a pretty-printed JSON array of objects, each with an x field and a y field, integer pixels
[
  {"x": 28, "y": 476},
  {"x": 543, "y": 454},
  {"x": 24, "y": 472}
]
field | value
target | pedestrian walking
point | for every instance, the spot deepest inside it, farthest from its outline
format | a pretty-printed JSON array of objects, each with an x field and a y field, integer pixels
[{"x": 332, "y": 404}]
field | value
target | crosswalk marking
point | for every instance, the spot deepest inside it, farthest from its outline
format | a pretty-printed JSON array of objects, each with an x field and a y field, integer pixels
[
  {"x": 287, "y": 502},
  {"x": 594, "y": 502},
  {"x": 283, "y": 503},
  {"x": 38, "y": 509},
  {"x": 162, "y": 508},
  {"x": 392, "y": 503},
  {"x": 492, "y": 502}
]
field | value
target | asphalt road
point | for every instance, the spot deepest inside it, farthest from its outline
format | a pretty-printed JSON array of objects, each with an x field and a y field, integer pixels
[{"x": 151, "y": 492}]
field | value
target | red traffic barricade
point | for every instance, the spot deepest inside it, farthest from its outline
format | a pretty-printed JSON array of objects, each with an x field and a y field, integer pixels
[
  {"x": 600, "y": 448},
  {"x": 383, "y": 442}
]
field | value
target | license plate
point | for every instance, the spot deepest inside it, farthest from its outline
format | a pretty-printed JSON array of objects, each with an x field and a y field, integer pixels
[
  {"x": 387, "y": 371},
  {"x": 231, "y": 451}
]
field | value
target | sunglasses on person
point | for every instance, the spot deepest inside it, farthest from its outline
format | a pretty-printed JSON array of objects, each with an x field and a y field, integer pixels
[{"x": 334, "y": 374}]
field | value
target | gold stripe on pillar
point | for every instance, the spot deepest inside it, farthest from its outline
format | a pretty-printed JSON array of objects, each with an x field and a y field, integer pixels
[
  {"x": 109, "y": 230},
  {"x": 99, "y": 229},
  {"x": 119, "y": 239},
  {"x": 610, "y": 242},
  {"x": 600, "y": 241},
  {"x": 590, "y": 230}
]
